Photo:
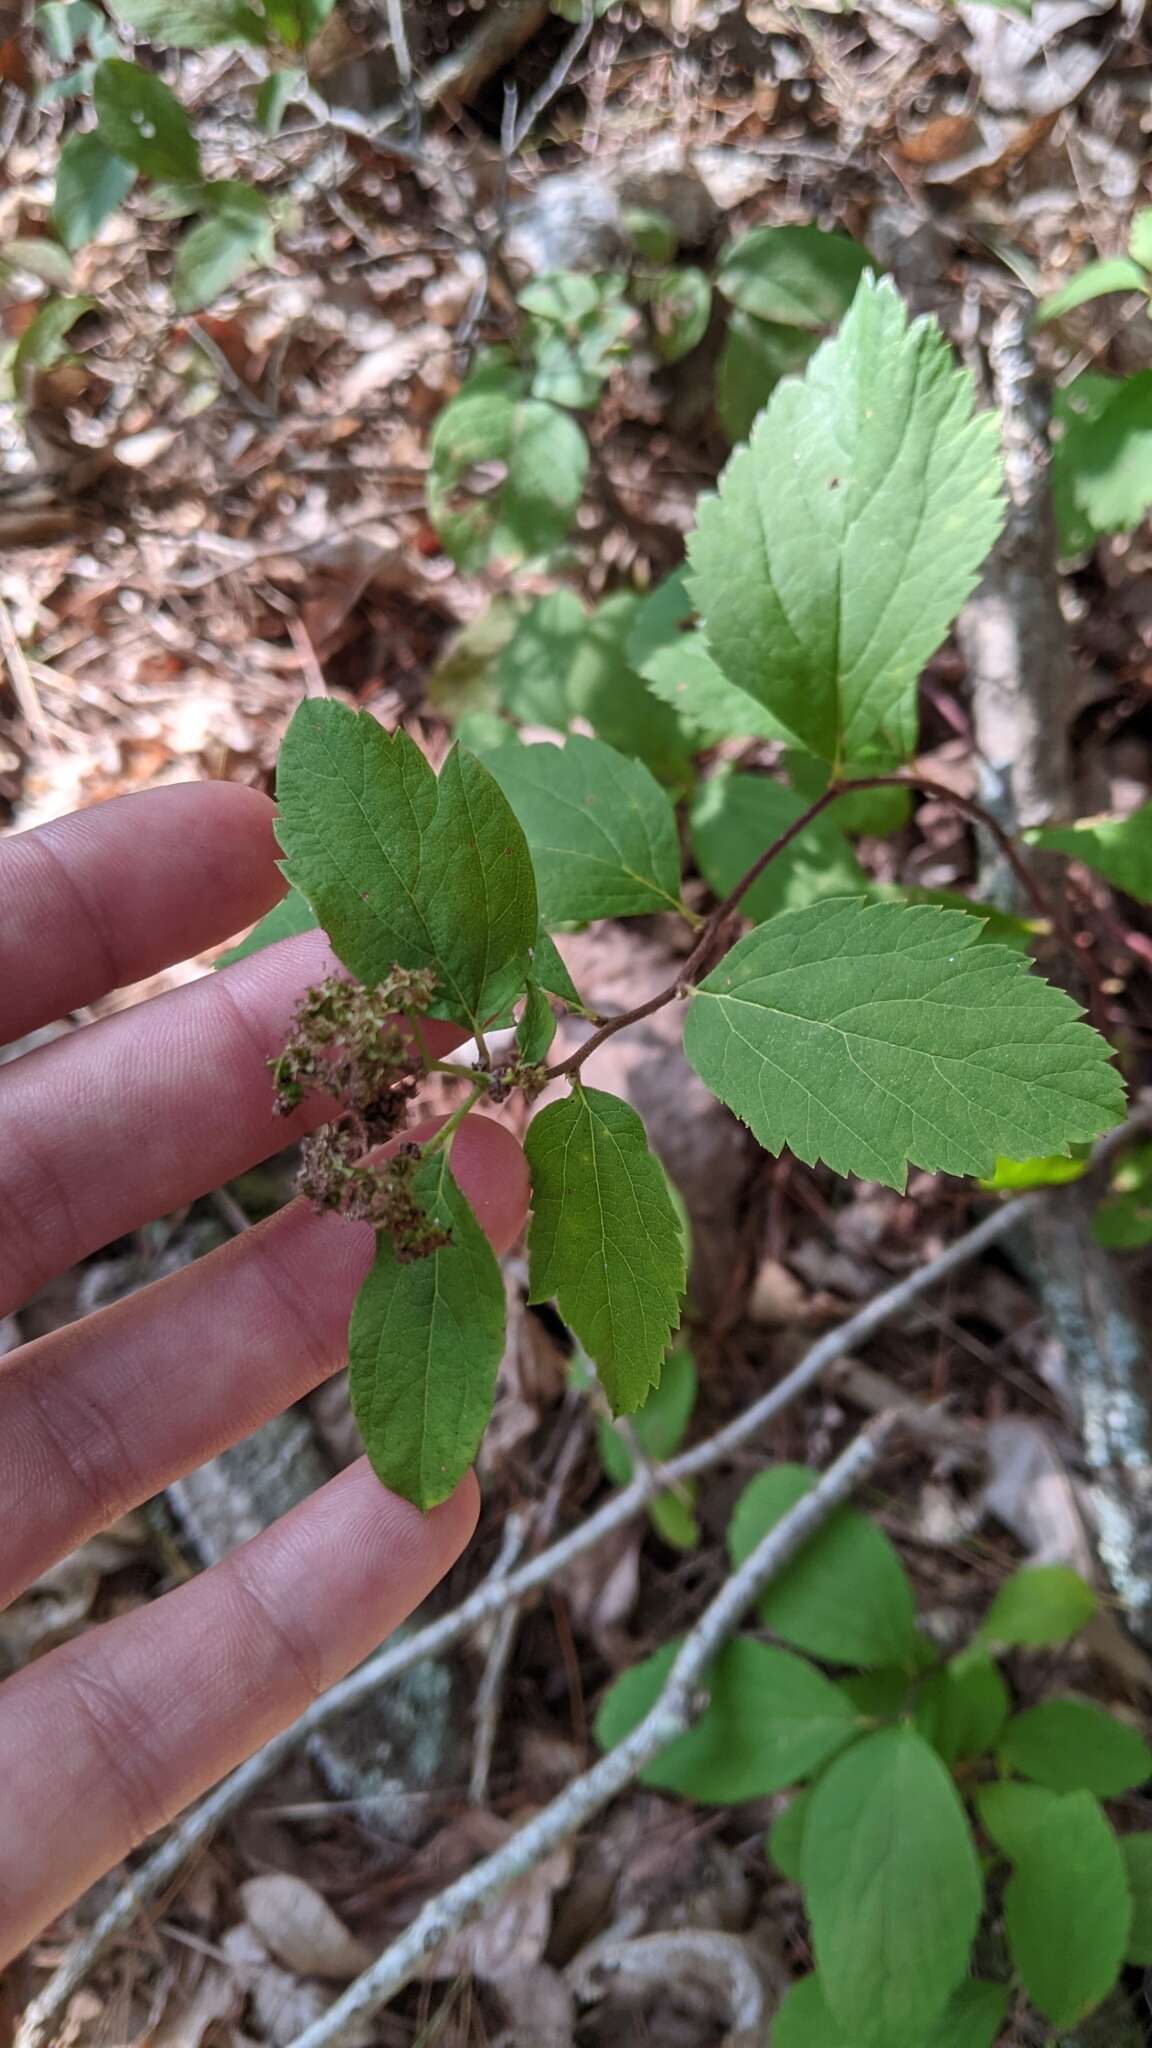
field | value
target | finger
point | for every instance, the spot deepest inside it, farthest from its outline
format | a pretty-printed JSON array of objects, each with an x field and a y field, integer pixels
[
  {"x": 129, "y": 1118},
  {"x": 115, "y": 893},
  {"x": 106, "y": 1739},
  {"x": 97, "y": 1417}
]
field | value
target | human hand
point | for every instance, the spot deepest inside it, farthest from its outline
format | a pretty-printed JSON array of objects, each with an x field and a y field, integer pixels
[{"x": 104, "y": 1739}]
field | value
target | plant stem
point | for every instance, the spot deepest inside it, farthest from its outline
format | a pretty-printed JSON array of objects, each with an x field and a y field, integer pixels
[
  {"x": 451, "y": 1124},
  {"x": 714, "y": 923}
]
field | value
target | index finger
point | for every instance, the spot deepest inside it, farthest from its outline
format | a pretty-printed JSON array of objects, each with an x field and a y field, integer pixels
[{"x": 109, "y": 895}]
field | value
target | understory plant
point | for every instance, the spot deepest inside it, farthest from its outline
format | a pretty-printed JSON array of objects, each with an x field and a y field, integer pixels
[
  {"x": 936, "y": 1829},
  {"x": 855, "y": 1025}
]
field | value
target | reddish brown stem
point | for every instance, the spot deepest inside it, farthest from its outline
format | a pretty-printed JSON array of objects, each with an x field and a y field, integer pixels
[{"x": 717, "y": 918}]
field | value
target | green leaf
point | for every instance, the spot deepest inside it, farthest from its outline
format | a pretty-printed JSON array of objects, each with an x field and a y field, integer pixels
[
  {"x": 870, "y": 1036},
  {"x": 755, "y": 356},
  {"x": 1123, "y": 1221},
  {"x": 961, "y": 1709},
  {"x": 532, "y": 674},
  {"x": 602, "y": 832},
  {"x": 143, "y": 122},
  {"x": 44, "y": 342},
  {"x": 1039, "y": 1606},
  {"x": 537, "y": 1026},
  {"x": 401, "y": 869},
  {"x": 973, "y": 2019},
  {"x": 1009, "y": 1812},
  {"x": 1095, "y": 281},
  {"x": 1010, "y": 1175},
  {"x": 679, "y": 302},
  {"x": 39, "y": 256},
  {"x": 1140, "y": 238},
  {"x": 797, "y": 277},
  {"x": 1067, "y": 1910},
  {"x": 672, "y": 1516},
  {"x": 296, "y": 22},
  {"x": 659, "y": 1424},
  {"x": 734, "y": 817},
  {"x": 824, "y": 600},
  {"x": 786, "y": 1837},
  {"x": 1137, "y": 1853},
  {"x": 881, "y": 1694},
  {"x": 892, "y": 1886},
  {"x": 605, "y": 1240},
  {"x": 678, "y": 668},
  {"x": 1120, "y": 849},
  {"x": 275, "y": 96},
  {"x": 844, "y": 1598},
  {"x": 536, "y": 458},
  {"x": 550, "y": 973},
  {"x": 875, "y": 811},
  {"x": 770, "y": 1720},
  {"x": 64, "y": 27},
  {"x": 424, "y": 1346},
  {"x": 191, "y": 24},
  {"x": 1102, "y": 463},
  {"x": 293, "y": 914},
  {"x": 90, "y": 184},
  {"x": 237, "y": 234},
  {"x": 606, "y": 690},
  {"x": 576, "y": 329},
  {"x": 652, "y": 234},
  {"x": 1074, "y": 1746}
]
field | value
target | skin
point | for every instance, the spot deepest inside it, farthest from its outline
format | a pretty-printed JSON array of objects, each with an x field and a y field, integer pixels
[{"x": 105, "y": 1739}]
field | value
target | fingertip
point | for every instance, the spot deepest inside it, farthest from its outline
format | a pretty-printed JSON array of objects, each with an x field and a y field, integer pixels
[{"x": 489, "y": 1165}]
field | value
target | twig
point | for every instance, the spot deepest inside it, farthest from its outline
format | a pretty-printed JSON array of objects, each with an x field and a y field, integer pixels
[
  {"x": 714, "y": 923},
  {"x": 156, "y": 1874},
  {"x": 20, "y": 675},
  {"x": 490, "y": 1691},
  {"x": 679, "y": 1705},
  {"x": 522, "y": 126}
]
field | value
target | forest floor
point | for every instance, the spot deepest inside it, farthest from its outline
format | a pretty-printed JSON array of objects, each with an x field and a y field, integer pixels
[{"x": 202, "y": 519}]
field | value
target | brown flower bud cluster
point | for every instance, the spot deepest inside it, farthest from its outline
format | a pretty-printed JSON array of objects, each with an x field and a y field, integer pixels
[{"x": 346, "y": 1043}]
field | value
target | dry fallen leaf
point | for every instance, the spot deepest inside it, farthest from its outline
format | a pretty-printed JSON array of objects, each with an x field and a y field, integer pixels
[{"x": 300, "y": 1929}]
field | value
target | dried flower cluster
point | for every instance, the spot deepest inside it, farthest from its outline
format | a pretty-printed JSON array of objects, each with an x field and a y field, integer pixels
[{"x": 346, "y": 1043}]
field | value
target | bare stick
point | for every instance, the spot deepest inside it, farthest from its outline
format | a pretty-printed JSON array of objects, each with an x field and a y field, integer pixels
[
  {"x": 200, "y": 1824},
  {"x": 681, "y": 1702},
  {"x": 520, "y": 129},
  {"x": 490, "y": 1691}
]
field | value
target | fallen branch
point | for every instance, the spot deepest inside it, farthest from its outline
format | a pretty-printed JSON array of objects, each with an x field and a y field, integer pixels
[
  {"x": 680, "y": 1704},
  {"x": 156, "y": 1874}
]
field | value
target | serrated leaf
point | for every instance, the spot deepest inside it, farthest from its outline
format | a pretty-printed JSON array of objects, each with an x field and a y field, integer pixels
[
  {"x": 605, "y": 689},
  {"x": 1095, "y": 281},
  {"x": 892, "y": 1886},
  {"x": 785, "y": 1839},
  {"x": 605, "y": 1240},
  {"x": 1137, "y": 1853},
  {"x": 878, "y": 811},
  {"x": 44, "y": 340},
  {"x": 576, "y": 329},
  {"x": 679, "y": 670},
  {"x": 1009, "y": 1812},
  {"x": 537, "y": 1026},
  {"x": 601, "y": 830},
  {"x": 90, "y": 185},
  {"x": 844, "y": 1598},
  {"x": 796, "y": 276},
  {"x": 1120, "y": 849},
  {"x": 275, "y": 96},
  {"x": 679, "y": 302},
  {"x": 756, "y": 355},
  {"x": 1074, "y": 1746},
  {"x": 1102, "y": 463},
  {"x": 402, "y": 869},
  {"x": 1140, "y": 238},
  {"x": 873, "y": 1036},
  {"x": 771, "y": 1719},
  {"x": 293, "y": 914},
  {"x": 424, "y": 1346},
  {"x": 824, "y": 600},
  {"x": 961, "y": 1709},
  {"x": 537, "y": 456},
  {"x": 1039, "y": 1606},
  {"x": 191, "y": 24},
  {"x": 734, "y": 817},
  {"x": 659, "y": 1424},
  {"x": 532, "y": 673},
  {"x": 1067, "y": 1910},
  {"x": 143, "y": 122},
  {"x": 236, "y": 234}
]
